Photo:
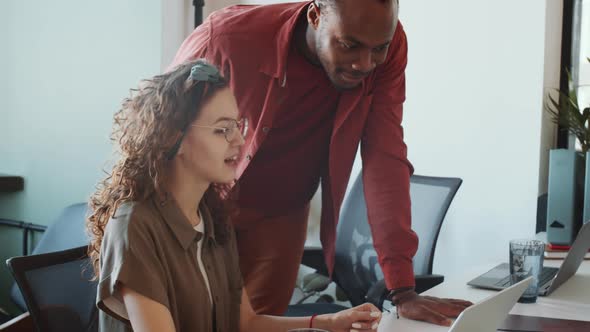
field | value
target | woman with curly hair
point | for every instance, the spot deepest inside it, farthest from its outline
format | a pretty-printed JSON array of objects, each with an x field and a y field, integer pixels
[{"x": 163, "y": 247}]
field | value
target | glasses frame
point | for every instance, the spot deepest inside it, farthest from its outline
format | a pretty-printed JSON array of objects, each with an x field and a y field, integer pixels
[{"x": 243, "y": 123}]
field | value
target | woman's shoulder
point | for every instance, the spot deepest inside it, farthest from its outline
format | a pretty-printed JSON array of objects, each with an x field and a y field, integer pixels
[{"x": 136, "y": 217}]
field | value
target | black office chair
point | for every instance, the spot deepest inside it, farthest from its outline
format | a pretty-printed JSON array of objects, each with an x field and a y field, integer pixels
[
  {"x": 356, "y": 270},
  {"x": 431, "y": 198},
  {"x": 58, "y": 290},
  {"x": 29, "y": 232},
  {"x": 66, "y": 232}
]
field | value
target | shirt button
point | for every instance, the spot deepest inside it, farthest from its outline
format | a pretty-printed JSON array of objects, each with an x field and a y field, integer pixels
[
  {"x": 265, "y": 130},
  {"x": 249, "y": 157}
]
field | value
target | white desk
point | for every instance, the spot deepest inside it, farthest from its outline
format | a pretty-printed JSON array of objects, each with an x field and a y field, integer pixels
[{"x": 570, "y": 301}]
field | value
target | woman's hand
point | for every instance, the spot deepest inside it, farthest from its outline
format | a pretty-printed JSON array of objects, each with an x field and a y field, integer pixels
[{"x": 364, "y": 317}]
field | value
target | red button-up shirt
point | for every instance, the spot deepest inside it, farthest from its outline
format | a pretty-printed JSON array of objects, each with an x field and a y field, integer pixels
[
  {"x": 285, "y": 172},
  {"x": 251, "y": 45}
]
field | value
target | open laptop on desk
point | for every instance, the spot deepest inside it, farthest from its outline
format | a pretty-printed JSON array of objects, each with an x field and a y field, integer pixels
[
  {"x": 487, "y": 315},
  {"x": 551, "y": 278}
]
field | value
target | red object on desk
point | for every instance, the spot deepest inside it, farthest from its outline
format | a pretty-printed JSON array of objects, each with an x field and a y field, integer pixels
[
  {"x": 558, "y": 247},
  {"x": 552, "y": 253}
]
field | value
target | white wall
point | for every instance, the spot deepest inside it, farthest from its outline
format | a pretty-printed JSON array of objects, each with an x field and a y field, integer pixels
[
  {"x": 65, "y": 67},
  {"x": 473, "y": 110},
  {"x": 178, "y": 22},
  {"x": 68, "y": 65},
  {"x": 552, "y": 74},
  {"x": 584, "y": 91}
]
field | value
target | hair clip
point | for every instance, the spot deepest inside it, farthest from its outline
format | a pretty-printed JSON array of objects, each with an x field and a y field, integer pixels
[{"x": 203, "y": 71}]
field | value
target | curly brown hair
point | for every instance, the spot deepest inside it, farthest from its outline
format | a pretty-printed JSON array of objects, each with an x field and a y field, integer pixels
[{"x": 147, "y": 131}]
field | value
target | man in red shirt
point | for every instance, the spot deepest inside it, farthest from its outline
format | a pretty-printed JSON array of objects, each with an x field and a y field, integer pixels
[{"x": 315, "y": 79}]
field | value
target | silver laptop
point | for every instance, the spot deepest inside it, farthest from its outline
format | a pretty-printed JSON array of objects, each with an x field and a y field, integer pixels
[
  {"x": 488, "y": 315},
  {"x": 551, "y": 278}
]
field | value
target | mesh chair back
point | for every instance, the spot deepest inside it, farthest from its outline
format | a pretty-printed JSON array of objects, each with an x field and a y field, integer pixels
[
  {"x": 58, "y": 290},
  {"x": 356, "y": 267},
  {"x": 66, "y": 232}
]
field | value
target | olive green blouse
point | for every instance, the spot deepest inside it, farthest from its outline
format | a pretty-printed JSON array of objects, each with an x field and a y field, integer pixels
[{"x": 151, "y": 248}]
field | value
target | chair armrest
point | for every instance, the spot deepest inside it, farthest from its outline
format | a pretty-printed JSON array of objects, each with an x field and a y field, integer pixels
[
  {"x": 315, "y": 282},
  {"x": 313, "y": 257},
  {"x": 21, "y": 323},
  {"x": 427, "y": 281},
  {"x": 377, "y": 294}
]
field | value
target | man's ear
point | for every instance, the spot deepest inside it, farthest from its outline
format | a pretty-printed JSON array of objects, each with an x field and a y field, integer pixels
[{"x": 313, "y": 15}]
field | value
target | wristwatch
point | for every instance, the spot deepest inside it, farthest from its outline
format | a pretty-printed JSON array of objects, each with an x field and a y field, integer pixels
[{"x": 397, "y": 294}]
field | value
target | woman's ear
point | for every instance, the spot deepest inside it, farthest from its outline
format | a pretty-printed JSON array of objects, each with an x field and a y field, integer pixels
[
  {"x": 181, "y": 146},
  {"x": 177, "y": 147}
]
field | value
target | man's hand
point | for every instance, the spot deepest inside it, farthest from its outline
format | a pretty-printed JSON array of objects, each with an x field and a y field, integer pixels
[{"x": 430, "y": 309}]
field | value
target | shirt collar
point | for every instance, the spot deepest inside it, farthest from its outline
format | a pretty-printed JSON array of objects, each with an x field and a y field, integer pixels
[
  {"x": 180, "y": 225},
  {"x": 276, "y": 64}
]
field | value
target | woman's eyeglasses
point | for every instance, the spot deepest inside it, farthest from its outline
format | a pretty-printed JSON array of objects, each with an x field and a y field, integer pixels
[{"x": 232, "y": 130}]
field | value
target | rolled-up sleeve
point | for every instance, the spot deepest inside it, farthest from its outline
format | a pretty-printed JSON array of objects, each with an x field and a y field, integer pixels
[
  {"x": 386, "y": 170},
  {"x": 129, "y": 257}
]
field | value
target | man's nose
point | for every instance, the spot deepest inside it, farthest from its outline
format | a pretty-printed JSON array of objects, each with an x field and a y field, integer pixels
[{"x": 365, "y": 62}]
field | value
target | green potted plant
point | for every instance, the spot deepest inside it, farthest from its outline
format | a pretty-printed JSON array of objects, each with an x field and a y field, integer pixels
[
  {"x": 567, "y": 113},
  {"x": 568, "y": 198}
]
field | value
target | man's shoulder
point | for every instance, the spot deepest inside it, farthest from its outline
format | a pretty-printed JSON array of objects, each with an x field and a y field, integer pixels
[
  {"x": 251, "y": 22},
  {"x": 393, "y": 68}
]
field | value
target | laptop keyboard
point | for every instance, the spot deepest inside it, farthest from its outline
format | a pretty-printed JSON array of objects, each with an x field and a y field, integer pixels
[{"x": 546, "y": 275}]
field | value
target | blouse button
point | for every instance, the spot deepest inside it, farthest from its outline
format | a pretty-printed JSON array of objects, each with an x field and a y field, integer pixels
[
  {"x": 265, "y": 130},
  {"x": 249, "y": 157}
]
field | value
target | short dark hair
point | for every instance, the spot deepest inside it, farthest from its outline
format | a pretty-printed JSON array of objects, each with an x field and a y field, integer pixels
[{"x": 332, "y": 3}]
